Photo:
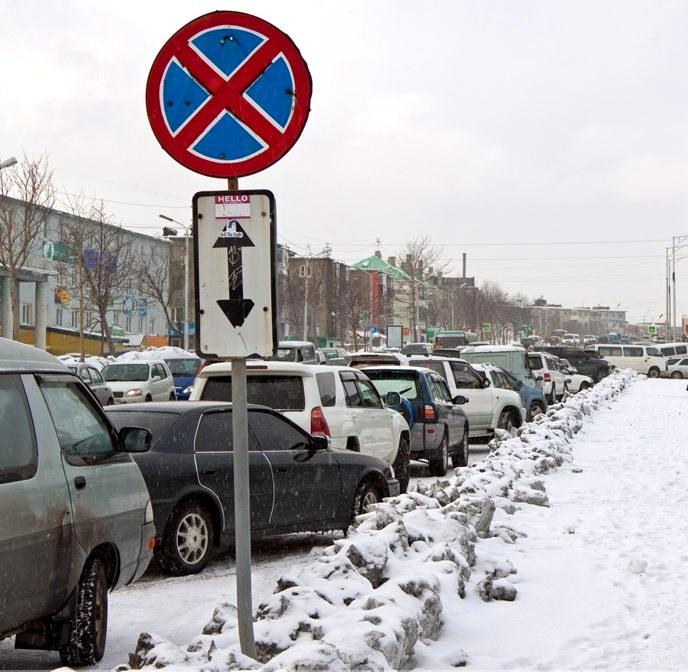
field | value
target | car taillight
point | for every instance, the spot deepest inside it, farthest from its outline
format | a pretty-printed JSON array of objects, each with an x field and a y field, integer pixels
[
  {"x": 547, "y": 377},
  {"x": 428, "y": 413},
  {"x": 319, "y": 426}
]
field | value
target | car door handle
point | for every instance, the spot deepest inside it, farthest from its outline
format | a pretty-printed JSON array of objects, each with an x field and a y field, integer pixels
[
  {"x": 208, "y": 472},
  {"x": 280, "y": 470},
  {"x": 79, "y": 482}
]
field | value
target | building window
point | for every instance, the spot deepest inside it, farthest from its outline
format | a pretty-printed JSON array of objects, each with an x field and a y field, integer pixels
[
  {"x": 152, "y": 326},
  {"x": 127, "y": 323},
  {"x": 58, "y": 317},
  {"x": 27, "y": 313},
  {"x": 115, "y": 318},
  {"x": 75, "y": 319},
  {"x": 142, "y": 325}
]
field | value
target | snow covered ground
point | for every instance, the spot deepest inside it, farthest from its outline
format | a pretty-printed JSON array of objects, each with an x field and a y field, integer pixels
[{"x": 601, "y": 574}]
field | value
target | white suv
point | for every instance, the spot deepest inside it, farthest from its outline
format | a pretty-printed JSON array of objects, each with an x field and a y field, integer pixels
[
  {"x": 546, "y": 371},
  {"x": 335, "y": 401},
  {"x": 487, "y": 407},
  {"x": 139, "y": 381}
]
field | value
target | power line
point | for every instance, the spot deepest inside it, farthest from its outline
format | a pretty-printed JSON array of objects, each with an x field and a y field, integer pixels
[{"x": 142, "y": 205}]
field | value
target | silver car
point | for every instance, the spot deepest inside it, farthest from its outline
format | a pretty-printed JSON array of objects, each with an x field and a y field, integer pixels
[
  {"x": 92, "y": 377},
  {"x": 75, "y": 514}
]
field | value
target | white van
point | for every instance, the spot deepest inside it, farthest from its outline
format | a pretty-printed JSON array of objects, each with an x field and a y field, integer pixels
[
  {"x": 673, "y": 349},
  {"x": 645, "y": 359}
]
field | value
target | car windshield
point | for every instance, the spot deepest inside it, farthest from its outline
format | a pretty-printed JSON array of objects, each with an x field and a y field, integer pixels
[
  {"x": 125, "y": 372},
  {"x": 286, "y": 354},
  {"x": 394, "y": 381},
  {"x": 283, "y": 393},
  {"x": 183, "y": 367},
  {"x": 414, "y": 349},
  {"x": 535, "y": 362}
]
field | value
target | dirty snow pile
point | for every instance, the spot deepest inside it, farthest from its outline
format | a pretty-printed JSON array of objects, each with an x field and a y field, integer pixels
[
  {"x": 165, "y": 353},
  {"x": 368, "y": 600}
]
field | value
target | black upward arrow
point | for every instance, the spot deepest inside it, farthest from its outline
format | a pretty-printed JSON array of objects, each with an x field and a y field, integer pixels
[{"x": 236, "y": 308}]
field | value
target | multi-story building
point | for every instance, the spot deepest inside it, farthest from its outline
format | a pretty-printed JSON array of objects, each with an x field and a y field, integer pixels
[
  {"x": 597, "y": 320},
  {"x": 55, "y": 300}
]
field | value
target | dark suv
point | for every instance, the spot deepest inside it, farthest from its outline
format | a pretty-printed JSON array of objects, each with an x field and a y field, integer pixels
[
  {"x": 587, "y": 362},
  {"x": 439, "y": 428}
]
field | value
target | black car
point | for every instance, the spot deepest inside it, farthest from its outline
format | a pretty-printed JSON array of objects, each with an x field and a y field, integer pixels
[
  {"x": 587, "y": 362},
  {"x": 439, "y": 428},
  {"x": 297, "y": 483}
]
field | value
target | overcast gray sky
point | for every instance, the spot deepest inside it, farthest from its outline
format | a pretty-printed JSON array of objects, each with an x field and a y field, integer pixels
[{"x": 493, "y": 126}]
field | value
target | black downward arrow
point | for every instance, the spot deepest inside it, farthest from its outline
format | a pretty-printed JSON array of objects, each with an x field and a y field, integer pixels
[{"x": 236, "y": 308}]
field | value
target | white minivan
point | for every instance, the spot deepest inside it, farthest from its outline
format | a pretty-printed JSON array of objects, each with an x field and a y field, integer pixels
[{"x": 645, "y": 359}]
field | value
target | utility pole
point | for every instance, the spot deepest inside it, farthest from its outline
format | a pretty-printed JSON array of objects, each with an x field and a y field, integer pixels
[
  {"x": 673, "y": 282},
  {"x": 306, "y": 275}
]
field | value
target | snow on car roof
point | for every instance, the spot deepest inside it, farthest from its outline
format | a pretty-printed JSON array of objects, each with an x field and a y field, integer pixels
[
  {"x": 258, "y": 365},
  {"x": 493, "y": 348},
  {"x": 165, "y": 352}
]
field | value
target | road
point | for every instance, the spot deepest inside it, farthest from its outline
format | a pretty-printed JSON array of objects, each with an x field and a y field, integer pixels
[{"x": 177, "y": 608}]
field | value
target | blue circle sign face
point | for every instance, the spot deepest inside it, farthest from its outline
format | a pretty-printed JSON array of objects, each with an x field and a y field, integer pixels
[{"x": 228, "y": 95}]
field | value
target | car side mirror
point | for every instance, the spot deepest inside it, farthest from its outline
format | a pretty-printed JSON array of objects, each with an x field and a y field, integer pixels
[
  {"x": 568, "y": 381},
  {"x": 393, "y": 399},
  {"x": 486, "y": 382},
  {"x": 460, "y": 400},
  {"x": 135, "y": 439},
  {"x": 319, "y": 443}
]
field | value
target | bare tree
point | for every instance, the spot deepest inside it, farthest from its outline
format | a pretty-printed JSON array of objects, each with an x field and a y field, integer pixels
[
  {"x": 154, "y": 277},
  {"x": 354, "y": 302},
  {"x": 103, "y": 259},
  {"x": 421, "y": 262},
  {"x": 30, "y": 183}
]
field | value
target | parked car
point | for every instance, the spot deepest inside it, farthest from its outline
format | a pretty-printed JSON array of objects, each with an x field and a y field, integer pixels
[
  {"x": 298, "y": 483},
  {"x": 678, "y": 367},
  {"x": 488, "y": 408},
  {"x": 645, "y": 359},
  {"x": 76, "y": 516},
  {"x": 183, "y": 370},
  {"x": 576, "y": 381},
  {"x": 295, "y": 351},
  {"x": 511, "y": 358},
  {"x": 335, "y": 401},
  {"x": 588, "y": 362},
  {"x": 416, "y": 349},
  {"x": 673, "y": 349},
  {"x": 572, "y": 339},
  {"x": 448, "y": 352},
  {"x": 359, "y": 360},
  {"x": 334, "y": 356},
  {"x": 589, "y": 339},
  {"x": 440, "y": 428},
  {"x": 140, "y": 381},
  {"x": 532, "y": 397},
  {"x": 554, "y": 382},
  {"x": 92, "y": 377}
]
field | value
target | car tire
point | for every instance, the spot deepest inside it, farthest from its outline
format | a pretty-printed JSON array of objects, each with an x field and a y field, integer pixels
[
  {"x": 438, "y": 465},
  {"x": 506, "y": 421},
  {"x": 109, "y": 401},
  {"x": 460, "y": 455},
  {"x": 676, "y": 374},
  {"x": 402, "y": 464},
  {"x": 85, "y": 643},
  {"x": 148, "y": 398},
  {"x": 188, "y": 541},
  {"x": 653, "y": 372},
  {"x": 583, "y": 386},
  {"x": 536, "y": 408},
  {"x": 173, "y": 396},
  {"x": 367, "y": 495}
]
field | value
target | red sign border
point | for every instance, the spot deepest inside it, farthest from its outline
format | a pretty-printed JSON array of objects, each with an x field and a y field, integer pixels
[{"x": 303, "y": 86}]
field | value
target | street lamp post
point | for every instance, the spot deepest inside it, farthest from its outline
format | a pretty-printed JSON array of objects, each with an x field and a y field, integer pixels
[{"x": 186, "y": 276}]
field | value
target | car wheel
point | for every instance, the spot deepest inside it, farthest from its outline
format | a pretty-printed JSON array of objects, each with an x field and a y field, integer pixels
[
  {"x": 583, "y": 386},
  {"x": 536, "y": 409},
  {"x": 402, "y": 464},
  {"x": 438, "y": 465},
  {"x": 460, "y": 455},
  {"x": 173, "y": 396},
  {"x": 367, "y": 495},
  {"x": 188, "y": 542},
  {"x": 653, "y": 372},
  {"x": 506, "y": 421},
  {"x": 676, "y": 374},
  {"x": 149, "y": 398},
  {"x": 109, "y": 401},
  {"x": 88, "y": 628}
]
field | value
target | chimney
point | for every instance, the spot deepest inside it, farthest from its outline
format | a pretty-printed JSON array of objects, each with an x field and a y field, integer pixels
[
  {"x": 464, "y": 265},
  {"x": 378, "y": 254},
  {"x": 392, "y": 261}
]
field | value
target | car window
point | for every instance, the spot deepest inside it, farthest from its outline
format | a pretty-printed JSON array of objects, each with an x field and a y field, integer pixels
[
  {"x": 125, "y": 372},
  {"x": 609, "y": 351},
  {"x": 535, "y": 362},
  {"x": 390, "y": 381},
  {"x": 307, "y": 354},
  {"x": 286, "y": 355},
  {"x": 353, "y": 398},
  {"x": 683, "y": 362},
  {"x": 500, "y": 381},
  {"x": 327, "y": 389},
  {"x": 283, "y": 393},
  {"x": 274, "y": 433},
  {"x": 85, "y": 375},
  {"x": 433, "y": 365},
  {"x": 95, "y": 376},
  {"x": 465, "y": 378},
  {"x": 439, "y": 389},
  {"x": 369, "y": 395},
  {"x": 80, "y": 429},
  {"x": 681, "y": 350},
  {"x": 18, "y": 457},
  {"x": 156, "y": 423},
  {"x": 158, "y": 371},
  {"x": 183, "y": 367},
  {"x": 214, "y": 433},
  {"x": 654, "y": 352},
  {"x": 632, "y": 352}
]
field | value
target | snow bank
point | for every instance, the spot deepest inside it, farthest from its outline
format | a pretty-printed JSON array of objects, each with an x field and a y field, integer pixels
[
  {"x": 368, "y": 599},
  {"x": 95, "y": 361},
  {"x": 165, "y": 352}
]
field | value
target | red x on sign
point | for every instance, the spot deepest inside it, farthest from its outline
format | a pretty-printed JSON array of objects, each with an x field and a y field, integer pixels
[{"x": 228, "y": 94}]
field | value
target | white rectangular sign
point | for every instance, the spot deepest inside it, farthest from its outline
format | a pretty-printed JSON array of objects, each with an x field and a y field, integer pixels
[
  {"x": 234, "y": 259},
  {"x": 395, "y": 334}
]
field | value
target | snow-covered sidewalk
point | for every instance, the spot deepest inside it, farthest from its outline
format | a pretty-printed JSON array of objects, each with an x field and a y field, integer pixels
[{"x": 603, "y": 573}]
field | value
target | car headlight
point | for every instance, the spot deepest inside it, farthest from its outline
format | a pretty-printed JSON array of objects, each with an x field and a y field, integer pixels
[
  {"x": 134, "y": 393},
  {"x": 148, "y": 515},
  {"x": 188, "y": 390}
]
